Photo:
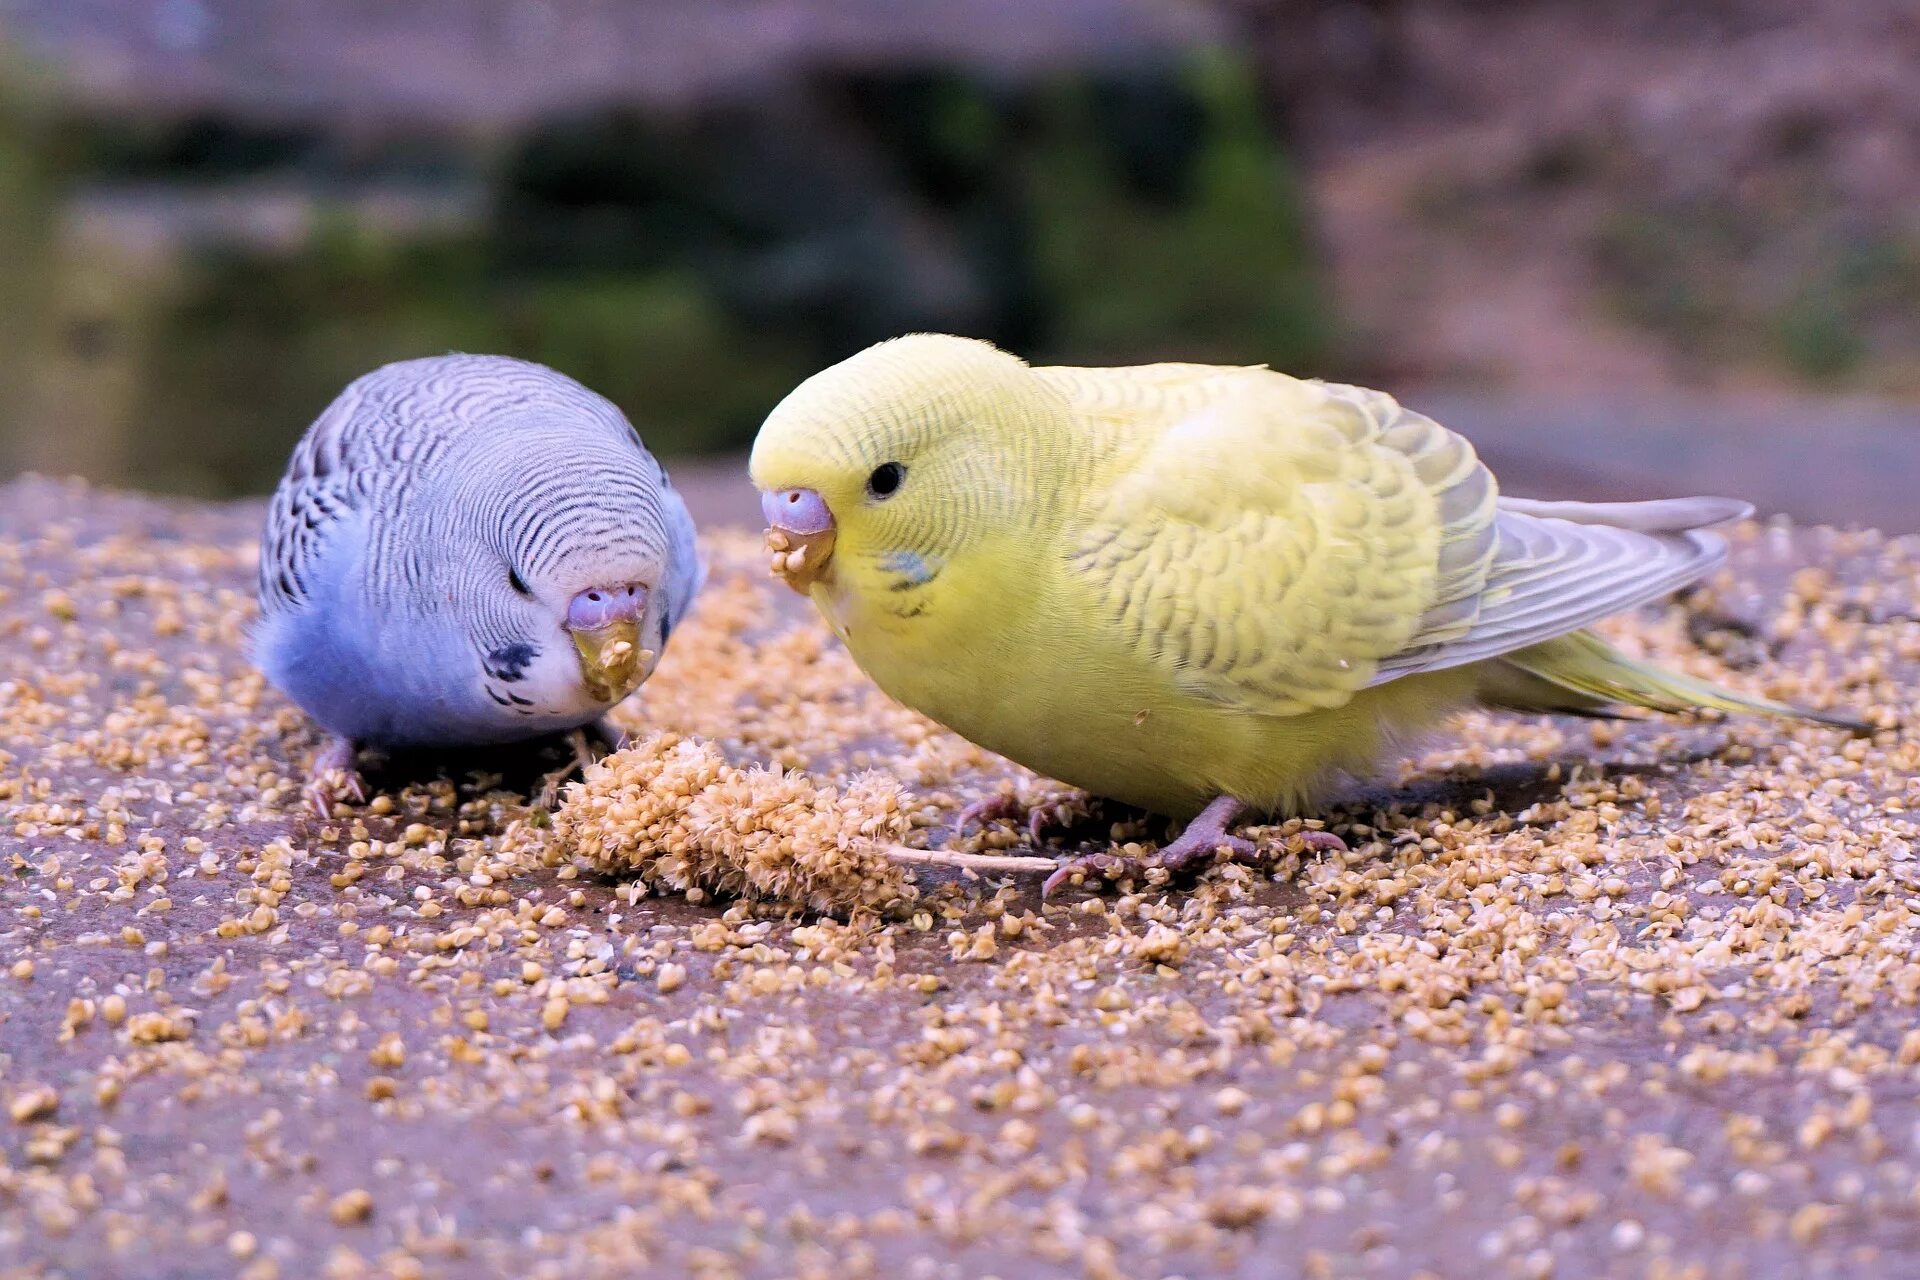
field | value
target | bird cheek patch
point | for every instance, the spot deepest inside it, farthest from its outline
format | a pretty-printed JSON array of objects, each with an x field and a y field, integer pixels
[
  {"x": 509, "y": 662},
  {"x": 911, "y": 569}
]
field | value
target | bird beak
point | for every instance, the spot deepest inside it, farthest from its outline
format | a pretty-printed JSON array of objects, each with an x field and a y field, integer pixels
[
  {"x": 799, "y": 536},
  {"x": 605, "y": 625}
]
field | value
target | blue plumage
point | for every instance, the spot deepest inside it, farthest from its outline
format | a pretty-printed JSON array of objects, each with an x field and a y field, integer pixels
[{"x": 455, "y": 545}]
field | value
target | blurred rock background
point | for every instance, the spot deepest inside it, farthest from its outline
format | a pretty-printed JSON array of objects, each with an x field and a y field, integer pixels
[{"x": 1585, "y": 230}]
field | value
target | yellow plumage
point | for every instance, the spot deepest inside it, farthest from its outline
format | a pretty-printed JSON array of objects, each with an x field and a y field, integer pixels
[{"x": 1172, "y": 583}]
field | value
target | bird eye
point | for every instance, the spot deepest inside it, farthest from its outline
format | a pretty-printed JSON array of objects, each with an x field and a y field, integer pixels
[
  {"x": 885, "y": 479},
  {"x": 518, "y": 583}
]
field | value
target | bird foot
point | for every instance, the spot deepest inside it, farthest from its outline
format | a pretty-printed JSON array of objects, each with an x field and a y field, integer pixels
[
  {"x": 334, "y": 776},
  {"x": 1007, "y": 807},
  {"x": 585, "y": 755},
  {"x": 1204, "y": 837},
  {"x": 1104, "y": 867},
  {"x": 1173, "y": 858},
  {"x": 1320, "y": 841},
  {"x": 993, "y": 808}
]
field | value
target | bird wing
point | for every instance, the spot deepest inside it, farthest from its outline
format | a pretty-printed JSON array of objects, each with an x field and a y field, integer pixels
[
  {"x": 318, "y": 491},
  {"x": 1277, "y": 545},
  {"x": 355, "y": 457},
  {"x": 1561, "y": 566}
]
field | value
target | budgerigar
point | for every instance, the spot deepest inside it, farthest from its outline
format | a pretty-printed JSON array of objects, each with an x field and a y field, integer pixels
[
  {"x": 466, "y": 549},
  {"x": 1196, "y": 589}
]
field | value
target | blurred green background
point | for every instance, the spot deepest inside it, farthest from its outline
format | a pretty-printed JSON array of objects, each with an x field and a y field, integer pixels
[{"x": 214, "y": 213}]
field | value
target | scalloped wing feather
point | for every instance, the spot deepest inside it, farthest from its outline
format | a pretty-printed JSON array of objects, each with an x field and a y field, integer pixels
[{"x": 1276, "y": 543}]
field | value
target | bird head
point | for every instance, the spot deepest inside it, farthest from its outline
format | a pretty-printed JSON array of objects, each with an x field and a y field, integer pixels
[
  {"x": 573, "y": 638},
  {"x": 590, "y": 567},
  {"x": 880, "y": 472}
]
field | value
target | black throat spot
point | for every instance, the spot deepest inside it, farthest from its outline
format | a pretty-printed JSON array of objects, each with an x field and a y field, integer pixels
[{"x": 509, "y": 662}]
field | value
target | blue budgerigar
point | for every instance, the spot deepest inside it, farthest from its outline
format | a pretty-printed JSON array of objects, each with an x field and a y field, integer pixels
[{"x": 466, "y": 550}]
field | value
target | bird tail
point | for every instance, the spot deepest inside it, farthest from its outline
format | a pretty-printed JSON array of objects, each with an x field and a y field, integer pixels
[{"x": 1581, "y": 674}]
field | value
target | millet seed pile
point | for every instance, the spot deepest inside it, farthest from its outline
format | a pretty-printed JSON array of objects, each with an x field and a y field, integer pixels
[
  {"x": 671, "y": 812},
  {"x": 1617, "y": 999}
]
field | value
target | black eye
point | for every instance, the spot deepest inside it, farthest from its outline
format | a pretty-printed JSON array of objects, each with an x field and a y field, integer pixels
[
  {"x": 885, "y": 479},
  {"x": 518, "y": 583}
]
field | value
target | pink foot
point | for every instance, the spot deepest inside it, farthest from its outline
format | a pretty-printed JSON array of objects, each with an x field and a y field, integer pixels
[
  {"x": 335, "y": 775},
  {"x": 1204, "y": 837},
  {"x": 1005, "y": 807},
  {"x": 1320, "y": 841},
  {"x": 585, "y": 756},
  {"x": 993, "y": 808}
]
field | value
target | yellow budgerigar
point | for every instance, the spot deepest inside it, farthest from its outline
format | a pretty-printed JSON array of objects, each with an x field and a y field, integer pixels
[{"x": 1198, "y": 589}]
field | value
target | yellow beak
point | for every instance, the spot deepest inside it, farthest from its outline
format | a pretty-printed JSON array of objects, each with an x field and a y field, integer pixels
[{"x": 611, "y": 660}]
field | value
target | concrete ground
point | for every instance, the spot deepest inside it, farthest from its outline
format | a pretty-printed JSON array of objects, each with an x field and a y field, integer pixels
[{"x": 1583, "y": 999}]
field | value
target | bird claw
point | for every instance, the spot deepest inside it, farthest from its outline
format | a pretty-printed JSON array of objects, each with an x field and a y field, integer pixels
[
  {"x": 331, "y": 788},
  {"x": 1108, "y": 868},
  {"x": 993, "y": 808},
  {"x": 335, "y": 776},
  {"x": 1007, "y": 807},
  {"x": 584, "y": 757},
  {"x": 1320, "y": 841},
  {"x": 1197, "y": 844}
]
